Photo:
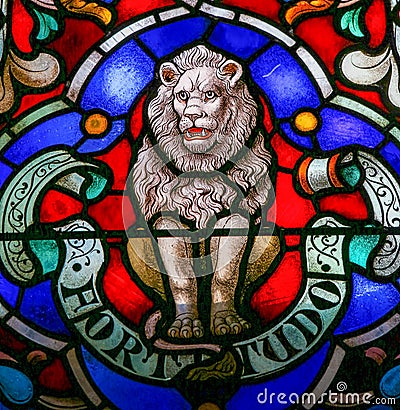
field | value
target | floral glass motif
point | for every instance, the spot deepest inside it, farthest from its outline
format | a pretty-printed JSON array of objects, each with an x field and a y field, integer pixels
[{"x": 199, "y": 204}]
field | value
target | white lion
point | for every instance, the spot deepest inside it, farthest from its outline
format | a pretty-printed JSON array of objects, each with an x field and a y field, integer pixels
[{"x": 201, "y": 161}]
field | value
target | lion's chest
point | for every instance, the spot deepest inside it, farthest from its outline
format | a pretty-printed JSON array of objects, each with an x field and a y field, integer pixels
[{"x": 199, "y": 199}]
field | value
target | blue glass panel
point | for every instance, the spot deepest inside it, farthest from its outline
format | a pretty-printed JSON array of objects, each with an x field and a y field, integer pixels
[
  {"x": 392, "y": 155},
  {"x": 8, "y": 291},
  {"x": 390, "y": 383},
  {"x": 15, "y": 386},
  {"x": 119, "y": 80},
  {"x": 38, "y": 306},
  {"x": 340, "y": 129},
  {"x": 284, "y": 81},
  {"x": 295, "y": 381},
  {"x": 369, "y": 302},
  {"x": 97, "y": 144},
  {"x": 237, "y": 40},
  {"x": 303, "y": 141},
  {"x": 117, "y": 388},
  {"x": 164, "y": 40},
  {"x": 59, "y": 130},
  {"x": 5, "y": 171}
]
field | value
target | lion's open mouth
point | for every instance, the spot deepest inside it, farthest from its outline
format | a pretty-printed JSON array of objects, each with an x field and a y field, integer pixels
[{"x": 193, "y": 134}]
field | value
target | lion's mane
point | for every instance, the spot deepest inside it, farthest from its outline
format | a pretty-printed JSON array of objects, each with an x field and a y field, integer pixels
[{"x": 200, "y": 197}]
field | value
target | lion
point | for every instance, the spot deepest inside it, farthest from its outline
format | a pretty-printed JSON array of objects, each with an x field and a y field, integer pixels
[{"x": 204, "y": 165}]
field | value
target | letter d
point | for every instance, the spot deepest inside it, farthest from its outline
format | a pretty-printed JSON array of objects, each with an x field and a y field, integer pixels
[{"x": 260, "y": 398}]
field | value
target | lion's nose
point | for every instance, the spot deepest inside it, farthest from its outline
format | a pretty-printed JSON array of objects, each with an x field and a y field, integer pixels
[{"x": 193, "y": 117}]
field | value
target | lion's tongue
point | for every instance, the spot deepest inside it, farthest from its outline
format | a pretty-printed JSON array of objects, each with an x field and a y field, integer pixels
[
  {"x": 197, "y": 134},
  {"x": 195, "y": 130}
]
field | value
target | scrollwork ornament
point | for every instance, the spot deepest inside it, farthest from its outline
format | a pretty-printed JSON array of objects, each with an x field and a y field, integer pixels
[{"x": 18, "y": 202}]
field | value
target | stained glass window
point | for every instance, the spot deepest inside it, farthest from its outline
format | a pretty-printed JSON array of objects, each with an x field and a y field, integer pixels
[{"x": 199, "y": 204}]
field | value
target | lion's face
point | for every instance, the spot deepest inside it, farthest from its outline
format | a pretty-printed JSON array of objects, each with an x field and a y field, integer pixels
[
  {"x": 200, "y": 101},
  {"x": 203, "y": 112}
]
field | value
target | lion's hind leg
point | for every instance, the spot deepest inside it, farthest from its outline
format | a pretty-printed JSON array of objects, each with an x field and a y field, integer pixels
[
  {"x": 226, "y": 254},
  {"x": 176, "y": 254}
]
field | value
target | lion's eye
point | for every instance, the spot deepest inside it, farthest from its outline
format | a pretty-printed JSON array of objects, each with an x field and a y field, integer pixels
[
  {"x": 210, "y": 95},
  {"x": 183, "y": 95}
]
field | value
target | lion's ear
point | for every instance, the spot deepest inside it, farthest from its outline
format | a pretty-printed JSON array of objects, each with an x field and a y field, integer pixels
[
  {"x": 231, "y": 70},
  {"x": 169, "y": 74}
]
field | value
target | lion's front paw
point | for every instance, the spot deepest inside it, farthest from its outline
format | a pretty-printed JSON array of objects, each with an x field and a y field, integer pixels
[
  {"x": 186, "y": 326},
  {"x": 228, "y": 322}
]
